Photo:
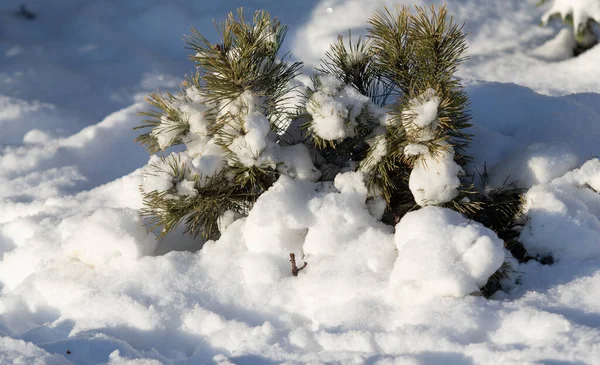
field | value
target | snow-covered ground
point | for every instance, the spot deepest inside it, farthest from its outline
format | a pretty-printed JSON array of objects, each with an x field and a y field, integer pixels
[{"x": 82, "y": 283}]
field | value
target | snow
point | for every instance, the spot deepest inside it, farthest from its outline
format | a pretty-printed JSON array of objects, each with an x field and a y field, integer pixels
[
  {"x": 537, "y": 163},
  {"x": 421, "y": 113},
  {"x": 559, "y": 48},
  {"x": 81, "y": 282},
  {"x": 415, "y": 149},
  {"x": 166, "y": 133},
  {"x": 563, "y": 215},
  {"x": 581, "y": 10},
  {"x": 335, "y": 109},
  {"x": 157, "y": 177},
  {"x": 434, "y": 179},
  {"x": 115, "y": 359},
  {"x": 250, "y": 137},
  {"x": 93, "y": 244},
  {"x": 378, "y": 151},
  {"x": 441, "y": 253},
  {"x": 20, "y": 352},
  {"x": 296, "y": 162}
]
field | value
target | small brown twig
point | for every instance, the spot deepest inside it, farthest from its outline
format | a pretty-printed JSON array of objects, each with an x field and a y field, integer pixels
[{"x": 295, "y": 269}]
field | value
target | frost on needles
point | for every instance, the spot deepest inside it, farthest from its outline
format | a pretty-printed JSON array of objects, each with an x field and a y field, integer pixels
[{"x": 383, "y": 111}]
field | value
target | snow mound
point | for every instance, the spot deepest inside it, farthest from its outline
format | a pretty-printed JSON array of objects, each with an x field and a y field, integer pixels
[
  {"x": 19, "y": 118},
  {"x": 236, "y": 300},
  {"x": 537, "y": 163},
  {"x": 559, "y": 48},
  {"x": 321, "y": 224},
  {"x": 105, "y": 235},
  {"x": 532, "y": 138},
  {"x": 581, "y": 11},
  {"x": 441, "y": 253},
  {"x": 563, "y": 216},
  {"x": 543, "y": 329},
  {"x": 278, "y": 221},
  {"x": 115, "y": 358},
  {"x": 434, "y": 179},
  {"x": 100, "y": 349},
  {"x": 20, "y": 352},
  {"x": 95, "y": 155}
]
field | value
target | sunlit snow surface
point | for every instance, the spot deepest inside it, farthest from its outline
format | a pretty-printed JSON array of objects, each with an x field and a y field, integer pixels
[{"x": 82, "y": 283}]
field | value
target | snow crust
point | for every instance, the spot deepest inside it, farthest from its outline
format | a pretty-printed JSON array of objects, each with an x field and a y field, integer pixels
[{"x": 79, "y": 273}]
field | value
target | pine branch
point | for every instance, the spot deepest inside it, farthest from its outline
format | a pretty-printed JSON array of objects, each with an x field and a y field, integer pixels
[
  {"x": 501, "y": 210},
  {"x": 245, "y": 59},
  {"x": 494, "y": 283},
  {"x": 417, "y": 55},
  {"x": 163, "y": 111},
  {"x": 393, "y": 47},
  {"x": 200, "y": 213},
  {"x": 354, "y": 64},
  {"x": 585, "y": 36}
]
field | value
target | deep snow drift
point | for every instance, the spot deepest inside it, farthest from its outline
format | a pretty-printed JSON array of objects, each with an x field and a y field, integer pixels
[{"x": 83, "y": 283}]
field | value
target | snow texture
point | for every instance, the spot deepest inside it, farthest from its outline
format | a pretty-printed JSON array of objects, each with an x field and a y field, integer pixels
[
  {"x": 247, "y": 140},
  {"x": 251, "y": 137},
  {"x": 434, "y": 179},
  {"x": 563, "y": 215},
  {"x": 441, "y": 253},
  {"x": 81, "y": 282},
  {"x": 559, "y": 48},
  {"x": 335, "y": 109},
  {"x": 20, "y": 352},
  {"x": 581, "y": 10},
  {"x": 420, "y": 119}
]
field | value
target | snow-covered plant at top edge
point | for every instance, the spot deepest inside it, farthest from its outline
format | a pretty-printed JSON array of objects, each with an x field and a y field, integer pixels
[
  {"x": 386, "y": 106},
  {"x": 580, "y": 15}
]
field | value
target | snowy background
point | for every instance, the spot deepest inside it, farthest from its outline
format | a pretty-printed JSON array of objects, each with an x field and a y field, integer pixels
[{"x": 82, "y": 283}]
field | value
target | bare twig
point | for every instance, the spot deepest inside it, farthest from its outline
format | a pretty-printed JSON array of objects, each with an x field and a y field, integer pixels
[{"x": 295, "y": 269}]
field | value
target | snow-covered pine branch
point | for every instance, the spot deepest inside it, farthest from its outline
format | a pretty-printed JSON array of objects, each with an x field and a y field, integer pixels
[{"x": 228, "y": 116}]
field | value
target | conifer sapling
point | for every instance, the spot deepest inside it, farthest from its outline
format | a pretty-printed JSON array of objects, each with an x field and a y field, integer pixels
[{"x": 386, "y": 106}]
